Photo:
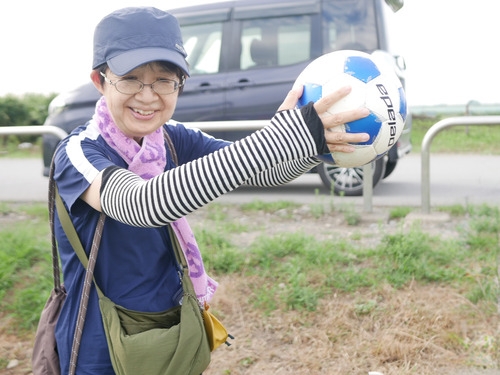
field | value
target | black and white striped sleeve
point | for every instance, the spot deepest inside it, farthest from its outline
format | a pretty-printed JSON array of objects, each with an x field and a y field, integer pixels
[
  {"x": 283, "y": 173},
  {"x": 286, "y": 147}
]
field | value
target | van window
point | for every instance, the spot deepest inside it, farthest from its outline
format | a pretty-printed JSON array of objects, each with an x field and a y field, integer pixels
[
  {"x": 203, "y": 45},
  {"x": 279, "y": 41},
  {"x": 349, "y": 24}
]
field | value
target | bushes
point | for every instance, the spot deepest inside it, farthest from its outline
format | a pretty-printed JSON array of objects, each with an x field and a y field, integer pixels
[{"x": 29, "y": 109}]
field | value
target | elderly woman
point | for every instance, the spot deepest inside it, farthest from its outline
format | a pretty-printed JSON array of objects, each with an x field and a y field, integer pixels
[{"x": 122, "y": 163}]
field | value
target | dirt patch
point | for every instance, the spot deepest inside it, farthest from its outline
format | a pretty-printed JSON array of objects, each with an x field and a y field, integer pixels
[
  {"x": 421, "y": 329},
  {"x": 413, "y": 331}
]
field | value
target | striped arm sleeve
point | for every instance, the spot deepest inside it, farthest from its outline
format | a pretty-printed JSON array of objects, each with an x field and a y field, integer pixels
[
  {"x": 283, "y": 173},
  {"x": 285, "y": 147}
]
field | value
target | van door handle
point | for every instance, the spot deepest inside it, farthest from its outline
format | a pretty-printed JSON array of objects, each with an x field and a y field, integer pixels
[
  {"x": 206, "y": 86},
  {"x": 242, "y": 83}
]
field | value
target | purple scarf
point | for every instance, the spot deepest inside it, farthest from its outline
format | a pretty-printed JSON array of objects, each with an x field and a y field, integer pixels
[{"x": 148, "y": 160}]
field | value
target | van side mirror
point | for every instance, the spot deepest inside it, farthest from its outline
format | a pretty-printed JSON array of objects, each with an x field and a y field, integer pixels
[{"x": 395, "y": 5}]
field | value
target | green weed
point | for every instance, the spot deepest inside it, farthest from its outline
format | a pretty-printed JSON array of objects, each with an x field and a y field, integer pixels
[
  {"x": 454, "y": 210},
  {"x": 322, "y": 205},
  {"x": 399, "y": 213},
  {"x": 270, "y": 207},
  {"x": 418, "y": 256},
  {"x": 351, "y": 215},
  {"x": 219, "y": 255}
]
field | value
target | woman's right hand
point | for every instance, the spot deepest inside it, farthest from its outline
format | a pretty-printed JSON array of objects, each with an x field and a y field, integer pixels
[{"x": 336, "y": 139}]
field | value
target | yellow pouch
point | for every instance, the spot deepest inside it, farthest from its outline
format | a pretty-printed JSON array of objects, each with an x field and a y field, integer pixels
[{"x": 216, "y": 332}]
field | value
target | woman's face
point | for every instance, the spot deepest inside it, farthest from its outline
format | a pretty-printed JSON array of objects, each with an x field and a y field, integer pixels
[{"x": 137, "y": 115}]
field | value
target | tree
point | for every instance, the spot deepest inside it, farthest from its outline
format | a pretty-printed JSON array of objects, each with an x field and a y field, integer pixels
[{"x": 13, "y": 111}]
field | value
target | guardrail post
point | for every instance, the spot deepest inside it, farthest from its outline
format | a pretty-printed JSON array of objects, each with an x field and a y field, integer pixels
[
  {"x": 368, "y": 187},
  {"x": 426, "y": 145}
]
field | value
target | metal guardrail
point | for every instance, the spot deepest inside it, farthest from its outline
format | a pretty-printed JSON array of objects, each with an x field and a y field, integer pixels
[
  {"x": 426, "y": 144},
  {"x": 33, "y": 130},
  {"x": 208, "y": 126},
  {"x": 258, "y": 124},
  {"x": 204, "y": 126}
]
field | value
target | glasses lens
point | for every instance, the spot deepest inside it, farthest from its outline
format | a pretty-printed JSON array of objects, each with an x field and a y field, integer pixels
[
  {"x": 128, "y": 86},
  {"x": 165, "y": 86}
]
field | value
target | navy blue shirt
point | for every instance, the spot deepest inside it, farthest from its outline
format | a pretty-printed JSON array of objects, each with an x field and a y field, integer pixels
[{"x": 135, "y": 267}]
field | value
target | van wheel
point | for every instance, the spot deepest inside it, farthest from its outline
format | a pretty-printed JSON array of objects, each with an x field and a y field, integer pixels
[{"x": 348, "y": 181}]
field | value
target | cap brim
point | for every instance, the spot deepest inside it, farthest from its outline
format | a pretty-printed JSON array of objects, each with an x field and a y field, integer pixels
[{"x": 128, "y": 61}]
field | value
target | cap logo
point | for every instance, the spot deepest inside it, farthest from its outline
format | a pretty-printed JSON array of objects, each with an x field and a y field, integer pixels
[{"x": 180, "y": 48}]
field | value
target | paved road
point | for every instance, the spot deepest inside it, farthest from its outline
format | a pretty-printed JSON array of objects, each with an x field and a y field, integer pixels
[
  {"x": 455, "y": 179},
  {"x": 21, "y": 180}
]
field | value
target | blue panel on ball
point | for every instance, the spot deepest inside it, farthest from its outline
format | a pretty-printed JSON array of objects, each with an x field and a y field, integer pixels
[
  {"x": 361, "y": 68},
  {"x": 312, "y": 93},
  {"x": 403, "y": 109},
  {"x": 370, "y": 125}
]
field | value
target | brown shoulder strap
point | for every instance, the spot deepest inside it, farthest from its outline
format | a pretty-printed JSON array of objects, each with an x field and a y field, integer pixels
[
  {"x": 55, "y": 255},
  {"x": 56, "y": 201},
  {"x": 171, "y": 147}
]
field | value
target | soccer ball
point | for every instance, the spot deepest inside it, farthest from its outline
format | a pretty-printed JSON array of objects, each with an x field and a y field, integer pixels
[{"x": 375, "y": 86}]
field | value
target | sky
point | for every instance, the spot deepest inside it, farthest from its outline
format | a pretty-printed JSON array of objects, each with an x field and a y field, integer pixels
[{"x": 448, "y": 46}]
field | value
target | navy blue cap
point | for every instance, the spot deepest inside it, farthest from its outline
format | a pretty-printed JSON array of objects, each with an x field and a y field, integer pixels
[{"x": 130, "y": 37}]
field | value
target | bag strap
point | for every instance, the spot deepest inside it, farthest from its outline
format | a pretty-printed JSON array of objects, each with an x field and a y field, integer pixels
[
  {"x": 55, "y": 255},
  {"x": 88, "y": 263},
  {"x": 179, "y": 254},
  {"x": 71, "y": 233},
  {"x": 56, "y": 201},
  {"x": 170, "y": 146}
]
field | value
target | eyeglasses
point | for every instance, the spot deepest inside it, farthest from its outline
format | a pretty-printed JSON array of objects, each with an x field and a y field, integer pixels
[{"x": 134, "y": 86}]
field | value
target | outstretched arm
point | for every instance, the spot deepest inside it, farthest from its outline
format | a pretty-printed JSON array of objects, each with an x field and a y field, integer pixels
[{"x": 293, "y": 135}]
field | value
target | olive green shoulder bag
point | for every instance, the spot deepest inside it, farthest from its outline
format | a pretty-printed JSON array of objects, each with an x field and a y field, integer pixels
[{"x": 164, "y": 343}]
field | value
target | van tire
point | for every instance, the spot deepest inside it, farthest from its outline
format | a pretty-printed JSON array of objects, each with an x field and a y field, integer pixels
[{"x": 348, "y": 181}]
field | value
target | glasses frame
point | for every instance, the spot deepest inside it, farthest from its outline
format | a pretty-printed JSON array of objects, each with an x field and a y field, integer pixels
[{"x": 177, "y": 85}]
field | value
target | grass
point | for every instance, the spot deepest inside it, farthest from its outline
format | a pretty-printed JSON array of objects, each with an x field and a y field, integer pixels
[
  {"x": 477, "y": 139},
  {"x": 294, "y": 265},
  {"x": 25, "y": 264},
  {"x": 290, "y": 271},
  {"x": 399, "y": 213},
  {"x": 269, "y": 207},
  {"x": 20, "y": 146}
]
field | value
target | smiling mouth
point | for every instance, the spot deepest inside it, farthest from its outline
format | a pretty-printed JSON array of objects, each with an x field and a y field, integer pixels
[{"x": 143, "y": 113}]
